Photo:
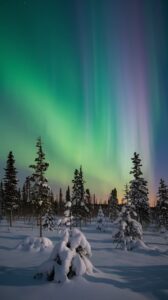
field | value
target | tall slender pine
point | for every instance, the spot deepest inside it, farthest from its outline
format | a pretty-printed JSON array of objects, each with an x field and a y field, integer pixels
[
  {"x": 40, "y": 190},
  {"x": 10, "y": 187},
  {"x": 79, "y": 209},
  {"x": 139, "y": 191},
  {"x": 162, "y": 205}
]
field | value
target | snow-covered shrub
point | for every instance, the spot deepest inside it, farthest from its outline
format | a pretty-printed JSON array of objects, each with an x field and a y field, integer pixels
[
  {"x": 69, "y": 258},
  {"x": 48, "y": 221},
  {"x": 35, "y": 244},
  {"x": 65, "y": 222},
  {"x": 129, "y": 231},
  {"x": 100, "y": 220}
]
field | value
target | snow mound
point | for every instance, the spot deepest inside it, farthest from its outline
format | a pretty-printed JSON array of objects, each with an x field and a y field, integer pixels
[
  {"x": 35, "y": 244},
  {"x": 69, "y": 258},
  {"x": 140, "y": 246}
]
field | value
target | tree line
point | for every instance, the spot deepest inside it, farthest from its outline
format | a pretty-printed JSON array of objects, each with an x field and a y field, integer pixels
[{"x": 37, "y": 198}]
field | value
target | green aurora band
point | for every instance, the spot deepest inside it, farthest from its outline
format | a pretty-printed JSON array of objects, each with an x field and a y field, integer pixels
[{"x": 86, "y": 76}]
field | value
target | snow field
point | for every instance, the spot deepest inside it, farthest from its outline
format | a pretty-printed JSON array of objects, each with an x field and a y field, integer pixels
[{"x": 141, "y": 274}]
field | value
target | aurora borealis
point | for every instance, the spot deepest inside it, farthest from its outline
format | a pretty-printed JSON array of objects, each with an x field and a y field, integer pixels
[{"x": 91, "y": 78}]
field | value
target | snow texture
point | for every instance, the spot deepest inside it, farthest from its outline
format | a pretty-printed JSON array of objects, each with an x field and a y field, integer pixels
[
  {"x": 136, "y": 275},
  {"x": 35, "y": 244}
]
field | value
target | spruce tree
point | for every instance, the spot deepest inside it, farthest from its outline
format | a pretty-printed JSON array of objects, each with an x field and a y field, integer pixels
[
  {"x": 49, "y": 219},
  {"x": 2, "y": 203},
  {"x": 162, "y": 205},
  {"x": 61, "y": 202},
  {"x": 68, "y": 196},
  {"x": 129, "y": 230},
  {"x": 126, "y": 195},
  {"x": 76, "y": 197},
  {"x": 88, "y": 203},
  {"x": 139, "y": 191},
  {"x": 40, "y": 190},
  {"x": 100, "y": 220},
  {"x": 113, "y": 205},
  {"x": 26, "y": 197},
  {"x": 68, "y": 218},
  {"x": 26, "y": 191},
  {"x": 79, "y": 209},
  {"x": 10, "y": 187}
]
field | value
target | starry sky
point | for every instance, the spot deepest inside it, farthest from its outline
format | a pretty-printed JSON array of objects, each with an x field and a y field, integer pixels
[{"x": 91, "y": 78}]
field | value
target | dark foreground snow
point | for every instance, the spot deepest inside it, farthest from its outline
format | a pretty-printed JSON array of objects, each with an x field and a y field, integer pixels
[{"x": 118, "y": 274}]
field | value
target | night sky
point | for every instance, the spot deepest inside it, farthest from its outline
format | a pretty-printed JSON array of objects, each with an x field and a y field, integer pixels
[{"x": 91, "y": 78}]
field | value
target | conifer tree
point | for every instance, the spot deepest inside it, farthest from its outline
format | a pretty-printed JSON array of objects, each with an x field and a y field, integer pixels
[
  {"x": 26, "y": 196},
  {"x": 94, "y": 205},
  {"x": 162, "y": 204},
  {"x": 88, "y": 203},
  {"x": 68, "y": 218},
  {"x": 61, "y": 202},
  {"x": 26, "y": 191},
  {"x": 139, "y": 191},
  {"x": 49, "y": 221},
  {"x": 100, "y": 220},
  {"x": 19, "y": 202},
  {"x": 40, "y": 189},
  {"x": 126, "y": 195},
  {"x": 129, "y": 230},
  {"x": 10, "y": 187},
  {"x": 2, "y": 204},
  {"x": 79, "y": 208},
  {"x": 68, "y": 196},
  {"x": 113, "y": 205}
]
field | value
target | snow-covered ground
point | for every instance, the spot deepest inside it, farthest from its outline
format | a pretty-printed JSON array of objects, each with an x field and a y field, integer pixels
[{"x": 118, "y": 274}]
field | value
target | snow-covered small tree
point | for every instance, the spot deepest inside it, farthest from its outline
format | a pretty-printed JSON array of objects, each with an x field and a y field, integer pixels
[
  {"x": 48, "y": 220},
  {"x": 67, "y": 220},
  {"x": 101, "y": 224},
  {"x": 113, "y": 207},
  {"x": 10, "y": 187},
  {"x": 69, "y": 258},
  {"x": 129, "y": 231},
  {"x": 40, "y": 189},
  {"x": 138, "y": 191},
  {"x": 162, "y": 205}
]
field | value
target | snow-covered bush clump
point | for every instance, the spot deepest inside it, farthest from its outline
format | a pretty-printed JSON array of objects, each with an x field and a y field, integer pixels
[
  {"x": 65, "y": 222},
  {"x": 69, "y": 258},
  {"x": 101, "y": 224},
  {"x": 48, "y": 221},
  {"x": 129, "y": 233},
  {"x": 35, "y": 244}
]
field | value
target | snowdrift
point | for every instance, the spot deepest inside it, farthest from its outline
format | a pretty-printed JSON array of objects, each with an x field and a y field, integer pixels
[{"x": 35, "y": 244}]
